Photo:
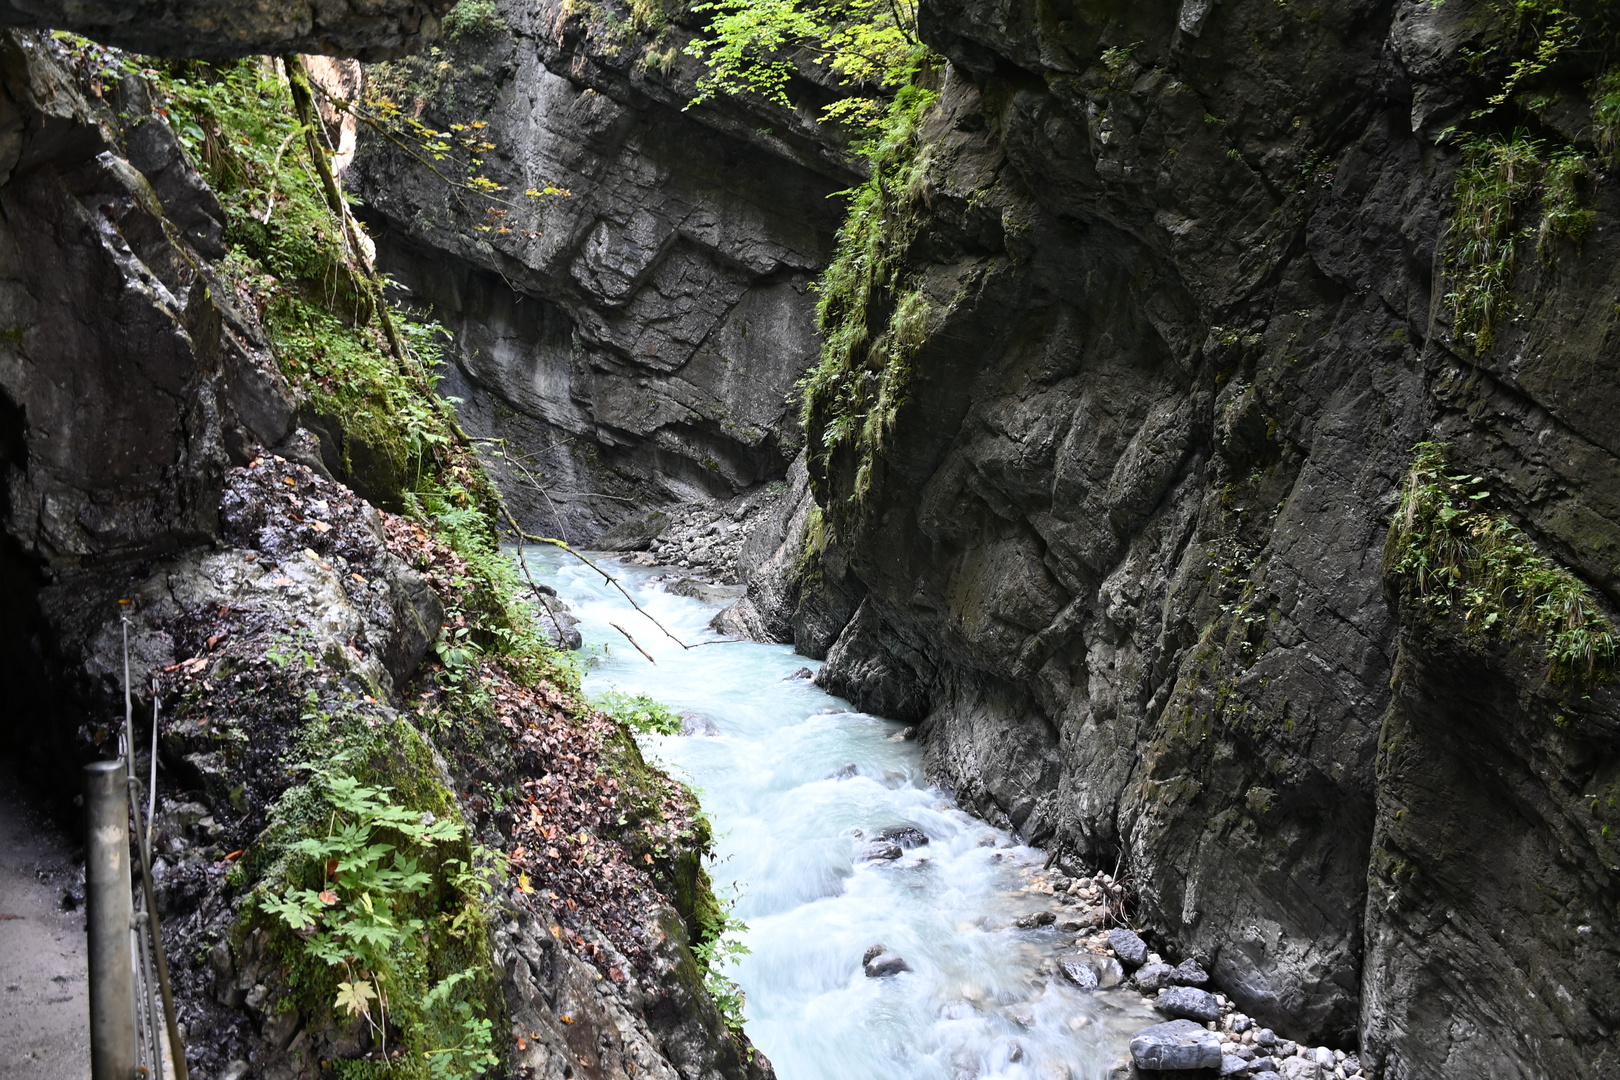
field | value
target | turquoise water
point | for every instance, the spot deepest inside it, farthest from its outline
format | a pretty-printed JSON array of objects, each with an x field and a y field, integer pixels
[{"x": 977, "y": 1003}]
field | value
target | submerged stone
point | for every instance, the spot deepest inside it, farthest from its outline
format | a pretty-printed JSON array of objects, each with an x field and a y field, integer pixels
[
  {"x": 880, "y": 851},
  {"x": 880, "y": 963},
  {"x": 907, "y": 836}
]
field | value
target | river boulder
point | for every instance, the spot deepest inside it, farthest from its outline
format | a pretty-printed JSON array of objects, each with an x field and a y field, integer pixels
[
  {"x": 1153, "y": 977},
  {"x": 1189, "y": 973},
  {"x": 1188, "y": 1003},
  {"x": 1078, "y": 970},
  {"x": 880, "y": 851},
  {"x": 1130, "y": 948},
  {"x": 880, "y": 963},
  {"x": 907, "y": 836},
  {"x": 695, "y": 723},
  {"x": 1179, "y": 1044}
]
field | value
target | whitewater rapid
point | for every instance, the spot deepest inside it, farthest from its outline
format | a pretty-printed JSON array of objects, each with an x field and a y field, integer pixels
[{"x": 982, "y": 998}]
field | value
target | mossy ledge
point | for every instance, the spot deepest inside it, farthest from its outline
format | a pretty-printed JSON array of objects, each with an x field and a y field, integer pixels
[{"x": 1452, "y": 555}]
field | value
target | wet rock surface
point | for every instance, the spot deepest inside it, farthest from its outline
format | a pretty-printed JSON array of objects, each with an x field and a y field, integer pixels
[
  {"x": 1179, "y": 1044},
  {"x": 1124, "y": 566},
  {"x": 369, "y": 29},
  {"x": 636, "y": 342},
  {"x": 880, "y": 963}
]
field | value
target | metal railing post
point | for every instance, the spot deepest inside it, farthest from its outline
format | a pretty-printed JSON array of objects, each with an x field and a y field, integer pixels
[{"x": 110, "y": 914}]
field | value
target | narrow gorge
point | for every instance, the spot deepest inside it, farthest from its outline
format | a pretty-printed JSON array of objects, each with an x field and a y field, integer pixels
[{"x": 1168, "y": 434}]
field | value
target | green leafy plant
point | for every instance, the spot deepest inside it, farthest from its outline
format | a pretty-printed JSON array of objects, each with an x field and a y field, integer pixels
[
  {"x": 358, "y": 915},
  {"x": 1561, "y": 211},
  {"x": 756, "y": 47},
  {"x": 1606, "y": 114},
  {"x": 873, "y": 318},
  {"x": 640, "y": 713},
  {"x": 1495, "y": 178},
  {"x": 474, "y": 1051},
  {"x": 717, "y": 950},
  {"x": 473, "y": 18},
  {"x": 1455, "y": 557}
]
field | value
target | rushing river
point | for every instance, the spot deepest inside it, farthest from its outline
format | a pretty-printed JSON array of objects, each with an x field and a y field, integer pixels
[{"x": 792, "y": 818}]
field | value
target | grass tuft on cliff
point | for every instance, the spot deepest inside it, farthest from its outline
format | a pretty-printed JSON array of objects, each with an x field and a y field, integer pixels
[
  {"x": 873, "y": 317},
  {"x": 1455, "y": 557}
]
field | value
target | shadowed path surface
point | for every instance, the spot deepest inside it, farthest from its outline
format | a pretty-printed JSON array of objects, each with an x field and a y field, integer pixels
[{"x": 44, "y": 1009}]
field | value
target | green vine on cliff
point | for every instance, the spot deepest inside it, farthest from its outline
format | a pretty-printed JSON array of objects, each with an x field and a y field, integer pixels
[
  {"x": 872, "y": 315},
  {"x": 1455, "y": 557}
]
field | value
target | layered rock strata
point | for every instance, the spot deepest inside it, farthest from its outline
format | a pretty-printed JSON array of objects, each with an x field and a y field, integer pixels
[
  {"x": 159, "y": 491},
  {"x": 371, "y": 29},
  {"x": 634, "y": 343},
  {"x": 1120, "y": 546}
]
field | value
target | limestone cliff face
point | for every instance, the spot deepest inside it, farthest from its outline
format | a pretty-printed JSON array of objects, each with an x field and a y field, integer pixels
[
  {"x": 637, "y": 340},
  {"x": 157, "y": 486},
  {"x": 1120, "y": 547},
  {"x": 215, "y": 29}
]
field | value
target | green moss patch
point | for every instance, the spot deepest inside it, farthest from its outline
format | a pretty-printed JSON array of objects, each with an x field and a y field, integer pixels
[
  {"x": 1454, "y": 556},
  {"x": 873, "y": 316}
]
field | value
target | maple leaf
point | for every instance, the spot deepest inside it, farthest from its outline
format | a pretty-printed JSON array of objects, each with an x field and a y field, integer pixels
[
  {"x": 523, "y": 884},
  {"x": 353, "y": 996}
]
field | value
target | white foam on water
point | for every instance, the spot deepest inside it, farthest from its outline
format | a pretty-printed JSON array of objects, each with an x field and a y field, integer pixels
[{"x": 789, "y": 834}]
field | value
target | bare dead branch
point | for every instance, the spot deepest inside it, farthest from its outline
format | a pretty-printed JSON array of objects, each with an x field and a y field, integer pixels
[{"x": 634, "y": 642}]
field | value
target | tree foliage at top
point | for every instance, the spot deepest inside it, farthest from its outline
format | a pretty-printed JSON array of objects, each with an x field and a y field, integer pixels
[{"x": 757, "y": 47}]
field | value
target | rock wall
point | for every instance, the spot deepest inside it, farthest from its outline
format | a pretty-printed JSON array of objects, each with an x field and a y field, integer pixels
[
  {"x": 637, "y": 341},
  {"x": 157, "y": 484},
  {"x": 213, "y": 29},
  {"x": 1121, "y": 547}
]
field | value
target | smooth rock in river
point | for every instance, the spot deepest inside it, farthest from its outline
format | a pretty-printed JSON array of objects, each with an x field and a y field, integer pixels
[
  {"x": 1035, "y": 919},
  {"x": 1231, "y": 1065},
  {"x": 1188, "y": 973},
  {"x": 1131, "y": 950},
  {"x": 880, "y": 851},
  {"x": 802, "y": 673},
  {"x": 695, "y": 723},
  {"x": 1179, "y": 1044},
  {"x": 907, "y": 836},
  {"x": 844, "y": 772},
  {"x": 1105, "y": 970},
  {"x": 1189, "y": 1003},
  {"x": 1151, "y": 978},
  {"x": 880, "y": 963},
  {"x": 1109, "y": 971}
]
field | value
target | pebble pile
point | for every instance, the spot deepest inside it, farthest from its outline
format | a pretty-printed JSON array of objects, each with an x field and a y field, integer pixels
[
  {"x": 1205, "y": 1030},
  {"x": 706, "y": 537}
]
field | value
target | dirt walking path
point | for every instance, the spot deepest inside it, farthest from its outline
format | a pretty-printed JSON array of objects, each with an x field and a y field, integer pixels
[{"x": 44, "y": 1008}]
